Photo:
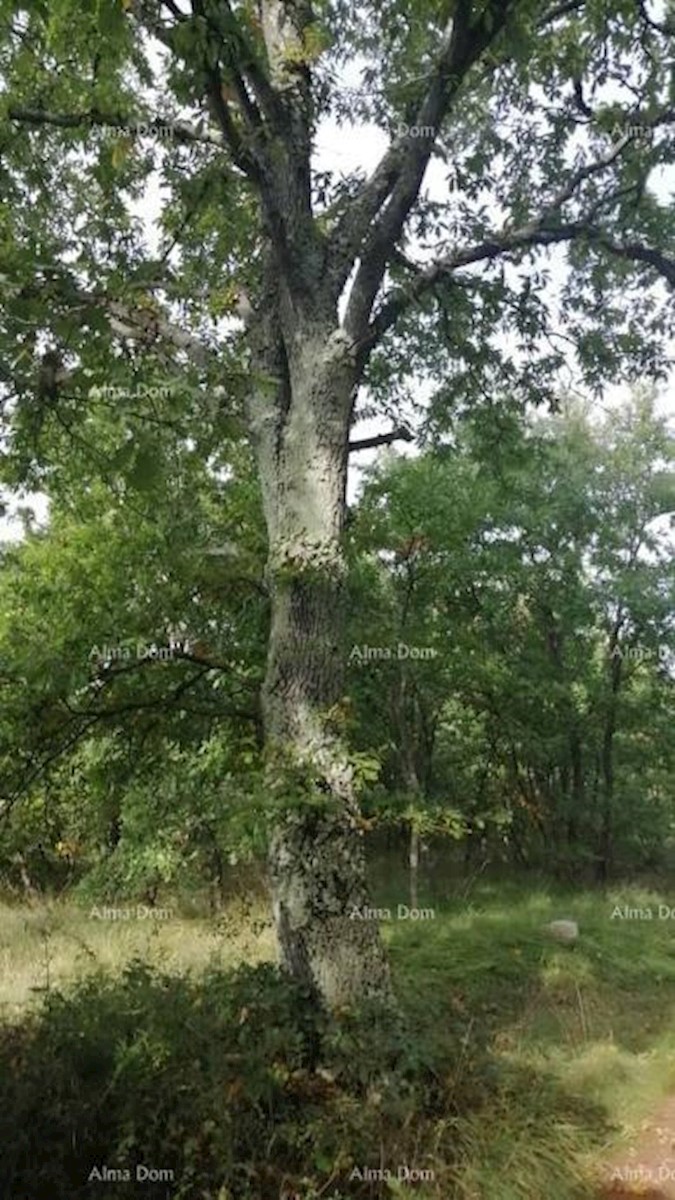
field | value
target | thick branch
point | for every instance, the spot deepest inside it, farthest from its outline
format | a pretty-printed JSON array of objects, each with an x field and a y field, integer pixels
[
  {"x": 146, "y": 12},
  {"x": 150, "y": 326},
  {"x": 544, "y": 223},
  {"x": 241, "y": 155},
  {"x": 531, "y": 235},
  {"x": 561, "y": 10},
  {"x": 402, "y": 299},
  {"x": 142, "y": 323},
  {"x": 179, "y": 130},
  {"x": 636, "y": 252},
  {"x": 399, "y": 174},
  {"x": 545, "y": 229},
  {"x": 251, "y": 70},
  {"x": 400, "y": 434},
  {"x": 246, "y": 158}
]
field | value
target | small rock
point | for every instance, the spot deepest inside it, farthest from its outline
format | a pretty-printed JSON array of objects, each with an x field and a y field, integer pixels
[{"x": 563, "y": 931}]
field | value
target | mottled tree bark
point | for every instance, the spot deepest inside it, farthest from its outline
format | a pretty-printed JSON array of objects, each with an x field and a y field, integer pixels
[{"x": 316, "y": 861}]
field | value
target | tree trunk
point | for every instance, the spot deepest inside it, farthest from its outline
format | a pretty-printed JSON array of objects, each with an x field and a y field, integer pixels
[
  {"x": 606, "y": 831},
  {"x": 327, "y": 938},
  {"x": 408, "y": 721},
  {"x": 604, "y": 864},
  {"x": 576, "y": 753},
  {"x": 413, "y": 790},
  {"x": 414, "y": 862}
]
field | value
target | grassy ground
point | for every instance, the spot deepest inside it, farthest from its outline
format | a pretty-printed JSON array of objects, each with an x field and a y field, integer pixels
[
  {"x": 43, "y": 947},
  {"x": 583, "y": 1036},
  {"x": 590, "y": 1028}
]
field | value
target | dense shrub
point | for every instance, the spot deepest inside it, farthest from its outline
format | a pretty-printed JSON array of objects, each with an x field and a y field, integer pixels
[{"x": 235, "y": 1086}]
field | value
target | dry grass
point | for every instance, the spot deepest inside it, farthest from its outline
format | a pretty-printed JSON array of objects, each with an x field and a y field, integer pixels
[{"x": 46, "y": 946}]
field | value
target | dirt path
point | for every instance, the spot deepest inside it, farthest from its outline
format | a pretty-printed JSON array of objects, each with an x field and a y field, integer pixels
[{"x": 646, "y": 1167}]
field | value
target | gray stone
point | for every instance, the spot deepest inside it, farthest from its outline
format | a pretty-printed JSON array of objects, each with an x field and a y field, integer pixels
[{"x": 563, "y": 931}]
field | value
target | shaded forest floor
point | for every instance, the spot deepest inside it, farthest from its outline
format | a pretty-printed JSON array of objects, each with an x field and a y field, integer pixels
[{"x": 547, "y": 1068}]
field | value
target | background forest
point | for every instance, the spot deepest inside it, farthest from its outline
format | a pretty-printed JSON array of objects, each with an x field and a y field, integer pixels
[{"x": 509, "y": 646}]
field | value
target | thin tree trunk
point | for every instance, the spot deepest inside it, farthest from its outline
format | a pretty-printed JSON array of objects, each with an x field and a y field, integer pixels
[
  {"x": 576, "y": 753},
  {"x": 606, "y": 832},
  {"x": 407, "y": 710},
  {"x": 414, "y": 862},
  {"x": 605, "y": 857}
]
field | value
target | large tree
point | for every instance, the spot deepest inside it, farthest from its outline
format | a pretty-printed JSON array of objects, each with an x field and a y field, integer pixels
[{"x": 550, "y": 120}]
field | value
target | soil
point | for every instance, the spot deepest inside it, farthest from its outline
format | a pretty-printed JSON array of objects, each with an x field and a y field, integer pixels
[{"x": 646, "y": 1167}]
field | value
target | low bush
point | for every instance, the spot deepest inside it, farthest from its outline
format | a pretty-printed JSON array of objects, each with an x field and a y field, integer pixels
[{"x": 233, "y": 1086}]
